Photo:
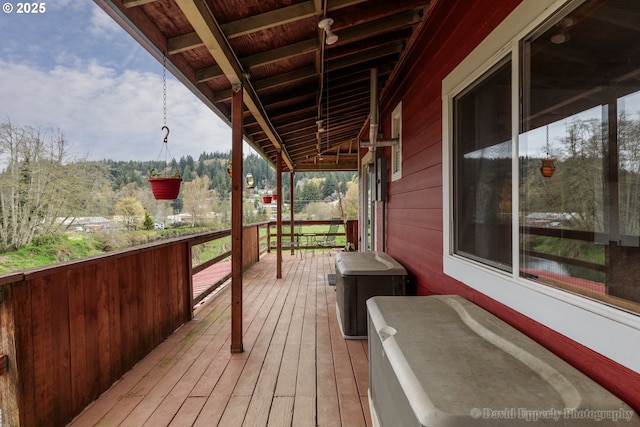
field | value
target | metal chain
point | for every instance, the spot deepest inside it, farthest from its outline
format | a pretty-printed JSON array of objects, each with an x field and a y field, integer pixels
[{"x": 164, "y": 88}]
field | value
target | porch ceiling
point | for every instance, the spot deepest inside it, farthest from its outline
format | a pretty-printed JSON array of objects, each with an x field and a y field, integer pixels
[{"x": 294, "y": 83}]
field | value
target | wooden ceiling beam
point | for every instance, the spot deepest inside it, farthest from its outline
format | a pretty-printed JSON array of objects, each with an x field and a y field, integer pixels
[
  {"x": 334, "y": 5},
  {"x": 365, "y": 56},
  {"x": 201, "y": 19},
  {"x": 135, "y": 3},
  {"x": 183, "y": 43},
  {"x": 274, "y": 18},
  {"x": 351, "y": 34},
  {"x": 278, "y": 54},
  {"x": 293, "y": 76},
  {"x": 380, "y": 26},
  {"x": 252, "y": 24}
]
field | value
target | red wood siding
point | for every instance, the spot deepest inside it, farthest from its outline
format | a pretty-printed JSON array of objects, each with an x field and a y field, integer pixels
[{"x": 414, "y": 233}]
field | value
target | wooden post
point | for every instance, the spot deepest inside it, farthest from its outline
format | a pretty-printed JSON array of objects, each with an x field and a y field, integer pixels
[
  {"x": 291, "y": 216},
  {"x": 236, "y": 219},
  {"x": 269, "y": 237},
  {"x": 279, "y": 214}
]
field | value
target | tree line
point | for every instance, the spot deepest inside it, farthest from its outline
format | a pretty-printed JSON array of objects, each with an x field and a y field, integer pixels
[{"x": 42, "y": 188}]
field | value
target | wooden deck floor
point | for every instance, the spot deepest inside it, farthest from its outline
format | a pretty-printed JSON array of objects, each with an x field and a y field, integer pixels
[{"x": 296, "y": 369}]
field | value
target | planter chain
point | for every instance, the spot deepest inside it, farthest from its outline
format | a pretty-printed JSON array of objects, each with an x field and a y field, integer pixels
[{"x": 164, "y": 91}]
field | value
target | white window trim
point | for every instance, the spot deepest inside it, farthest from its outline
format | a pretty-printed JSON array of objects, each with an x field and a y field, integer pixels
[
  {"x": 396, "y": 150},
  {"x": 609, "y": 331}
]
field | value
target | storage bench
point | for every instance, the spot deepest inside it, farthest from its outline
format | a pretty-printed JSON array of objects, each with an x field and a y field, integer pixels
[
  {"x": 443, "y": 361},
  {"x": 359, "y": 276}
]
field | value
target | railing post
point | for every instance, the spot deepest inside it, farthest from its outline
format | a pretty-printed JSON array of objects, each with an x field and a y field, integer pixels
[
  {"x": 257, "y": 242},
  {"x": 279, "y": 214},
  {"x": 269, "y": 237}
]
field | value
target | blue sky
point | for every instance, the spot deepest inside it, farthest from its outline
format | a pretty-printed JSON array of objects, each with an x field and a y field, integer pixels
[{"x": 73, "y": 68}]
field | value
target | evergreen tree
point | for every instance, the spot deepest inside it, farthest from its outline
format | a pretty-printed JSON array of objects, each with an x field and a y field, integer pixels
[{"x": 148, "y": 223}]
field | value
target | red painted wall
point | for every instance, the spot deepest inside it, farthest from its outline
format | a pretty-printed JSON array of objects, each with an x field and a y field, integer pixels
[{"x": 414, "y": 231}]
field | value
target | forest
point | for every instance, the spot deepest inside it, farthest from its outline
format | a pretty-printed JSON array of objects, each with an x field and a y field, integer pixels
[{"x": 44, "y": 191}]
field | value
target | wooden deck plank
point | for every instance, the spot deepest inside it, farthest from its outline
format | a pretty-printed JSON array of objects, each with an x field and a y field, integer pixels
[
  {"x": 258, "y": 411},
  {"x": 235, "y": 411},
  {"x": 165, "y": 397},
  {"x": 348, "y": 398},
  {"x": 304, "y": 409},
  {"x": 188, "y": 412},
  {"x": 296, "y": 370},
  {"x": 286, "y": 385},
  {"x": 281, "y": 411},
  {"x": 360, "y": 364},
  {"x": 150, "y": 367},
  {"x": 219, "y": 398},
  {"x": 328, "y": 408}
]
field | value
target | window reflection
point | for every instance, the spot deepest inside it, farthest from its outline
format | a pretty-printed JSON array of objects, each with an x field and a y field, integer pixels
[
  {"x": 580, "y": 227},
  {"x": 482, "y": 164}
]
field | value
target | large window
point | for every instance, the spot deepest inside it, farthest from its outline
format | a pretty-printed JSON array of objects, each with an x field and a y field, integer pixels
[
  {"x": 482, "y": 165},
  {"x": 580, "y": 113},
  {"x": 578, "y": 145}
]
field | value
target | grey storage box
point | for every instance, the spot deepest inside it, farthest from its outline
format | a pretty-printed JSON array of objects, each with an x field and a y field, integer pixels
[
  {"x": 361, "y": 275},
  {"x": 443, "y": 361}
]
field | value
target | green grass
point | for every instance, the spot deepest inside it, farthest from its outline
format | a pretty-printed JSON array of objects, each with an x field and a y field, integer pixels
[
  {"x": 206, "y": 251},
  {"x": 318, "y": 230},
  {"x": 60, "y": 247},
  {"x": 51, "y": 249},
  {"x": 55, "y": 248},
  {"x": 584, "y": 251}
]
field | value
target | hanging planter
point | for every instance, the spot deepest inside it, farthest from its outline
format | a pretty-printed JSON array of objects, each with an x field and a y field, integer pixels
[
  {"x": 165, "y": 186},
  {"x": 266, "y": 199},
  {"x": 274, "y": 197},
  {"x": 548, "y": 167}
]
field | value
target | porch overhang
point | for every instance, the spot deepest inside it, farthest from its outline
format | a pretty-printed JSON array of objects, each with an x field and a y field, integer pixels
[{"x": 302, "y": 97}]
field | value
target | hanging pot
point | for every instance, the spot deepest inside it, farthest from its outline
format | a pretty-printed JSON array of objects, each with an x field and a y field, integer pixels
[
  {"x": 548, "y": 168},
  {"x": 165, "y": 188},
  {"x": 266, "y": 199},
  {"x": 274, "y": 197}
]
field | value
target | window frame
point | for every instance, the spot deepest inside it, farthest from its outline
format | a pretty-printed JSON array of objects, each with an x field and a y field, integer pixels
[
  {"x": 396, "y": 149},
  {"x": 546, "y": 305}
]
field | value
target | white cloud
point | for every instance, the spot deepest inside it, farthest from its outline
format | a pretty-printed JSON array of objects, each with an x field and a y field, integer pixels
[
  {"x": 76, "y": 70},
  {"x": 109, "y": 114},
  {"x": 101, "y": 24}
]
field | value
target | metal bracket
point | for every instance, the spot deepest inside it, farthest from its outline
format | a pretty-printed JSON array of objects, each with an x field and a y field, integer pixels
[{"x": 380, "y": 143}]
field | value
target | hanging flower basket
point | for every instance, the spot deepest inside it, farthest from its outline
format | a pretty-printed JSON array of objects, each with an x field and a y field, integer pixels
[
  {"x": 274, "y": 197},
  {"x": 165, "y": 188},
  {"x": 548, "y": 168},
  {"x": 266, "y": 199}
]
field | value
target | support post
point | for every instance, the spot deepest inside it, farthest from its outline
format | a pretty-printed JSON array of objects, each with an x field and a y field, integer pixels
[
  {"x": 291, "y": 216},
  {"x": 236, "y": 220},
  {"x": 279, "y": 213}
]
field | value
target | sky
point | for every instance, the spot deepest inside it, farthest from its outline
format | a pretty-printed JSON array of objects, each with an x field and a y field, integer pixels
[{"x": 74, "y": 69}]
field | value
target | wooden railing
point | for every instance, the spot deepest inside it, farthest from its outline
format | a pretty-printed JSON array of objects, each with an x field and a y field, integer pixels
[
  {"x": 583, "y": 236},
  {"x": 306, "y": 226},
  {"x": 69, "y": 331}
]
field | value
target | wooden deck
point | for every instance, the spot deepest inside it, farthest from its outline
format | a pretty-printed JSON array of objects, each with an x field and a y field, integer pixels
[{"x": 296, "y": 369}]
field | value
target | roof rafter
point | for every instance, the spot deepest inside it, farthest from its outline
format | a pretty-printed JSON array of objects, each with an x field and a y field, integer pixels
[{"x": 201, "y": 19}]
